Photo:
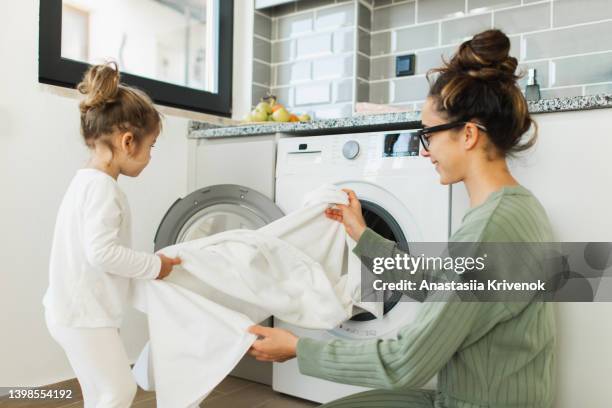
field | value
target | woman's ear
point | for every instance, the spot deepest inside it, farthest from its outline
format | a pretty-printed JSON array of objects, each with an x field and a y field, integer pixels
[{"x": 471, "y": 135}]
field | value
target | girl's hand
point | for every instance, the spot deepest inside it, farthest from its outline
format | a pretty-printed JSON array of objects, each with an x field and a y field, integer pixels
[
  {"x": 166, "y": 265},
  {"x": 349, "y": 215},
  {"x": 273, "y": 344}
]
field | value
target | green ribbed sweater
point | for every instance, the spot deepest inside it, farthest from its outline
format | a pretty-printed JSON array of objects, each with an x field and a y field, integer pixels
[{"x": 485, "y": 354}]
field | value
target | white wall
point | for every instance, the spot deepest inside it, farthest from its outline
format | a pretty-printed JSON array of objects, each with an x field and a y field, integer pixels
[{"x": 40, "y": 150}]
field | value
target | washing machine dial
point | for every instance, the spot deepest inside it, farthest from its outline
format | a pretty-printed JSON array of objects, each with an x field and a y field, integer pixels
[{"x": 350, "y": 150}]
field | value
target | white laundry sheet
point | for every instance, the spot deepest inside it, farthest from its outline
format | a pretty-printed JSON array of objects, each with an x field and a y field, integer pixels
[{"x": 299, "y": 269}]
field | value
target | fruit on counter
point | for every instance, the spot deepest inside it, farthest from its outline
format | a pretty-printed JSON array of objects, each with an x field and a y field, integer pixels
[
  {"x": 264, "y": 107},
  {"x": 258, "y": 116},
  {"x": 268, "y": 109},
  {"x": 281, "y": 115}
]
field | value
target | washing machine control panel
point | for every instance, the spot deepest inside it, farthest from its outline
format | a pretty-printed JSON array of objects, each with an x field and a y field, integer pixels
[{"x": 350, "y": 150}]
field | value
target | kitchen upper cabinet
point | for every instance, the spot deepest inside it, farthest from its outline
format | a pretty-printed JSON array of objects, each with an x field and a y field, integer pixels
[{"x": 260, "y": 4}]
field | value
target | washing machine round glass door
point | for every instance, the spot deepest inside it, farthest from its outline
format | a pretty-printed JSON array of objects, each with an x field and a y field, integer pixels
[
  {"x": 215, "y": 209},
  {"x": 383, "y": 213}
]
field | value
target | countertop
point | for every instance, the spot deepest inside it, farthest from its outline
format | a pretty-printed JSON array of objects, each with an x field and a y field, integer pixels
[{"x": 387, "y": 121}]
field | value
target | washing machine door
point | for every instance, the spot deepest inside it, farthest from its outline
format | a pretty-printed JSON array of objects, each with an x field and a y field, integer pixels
[
  {"x": 389, "y": 217},
  {"x": 215, "y": 209}
]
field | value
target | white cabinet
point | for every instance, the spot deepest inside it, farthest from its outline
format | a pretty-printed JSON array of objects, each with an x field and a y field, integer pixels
[{"x": 259, "y": 4}]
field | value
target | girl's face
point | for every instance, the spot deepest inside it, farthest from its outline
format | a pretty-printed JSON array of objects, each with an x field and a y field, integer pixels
[
  {"x": 446, "y": 150},
  {"x": 135, "y": 156}
]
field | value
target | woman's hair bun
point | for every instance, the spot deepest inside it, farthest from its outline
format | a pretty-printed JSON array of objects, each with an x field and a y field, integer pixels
[
  {"x": 100, "y": 84},
  {"x": 486, "y": 56}
]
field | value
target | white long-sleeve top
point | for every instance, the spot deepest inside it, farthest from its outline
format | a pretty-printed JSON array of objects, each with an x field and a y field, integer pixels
[{"x": 91, "y": 261}]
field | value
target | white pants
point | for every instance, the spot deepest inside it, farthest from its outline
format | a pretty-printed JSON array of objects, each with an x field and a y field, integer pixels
[{"x": 100, "y": 363}]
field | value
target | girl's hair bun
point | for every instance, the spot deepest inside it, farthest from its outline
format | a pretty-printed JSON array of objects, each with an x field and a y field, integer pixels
[
  {"x": 486, "y": 56},
  {"x": 100, "y": 84}
]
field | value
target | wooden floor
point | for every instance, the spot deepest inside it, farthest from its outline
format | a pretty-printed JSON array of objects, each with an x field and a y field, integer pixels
[{"x": 231, "y": 393}]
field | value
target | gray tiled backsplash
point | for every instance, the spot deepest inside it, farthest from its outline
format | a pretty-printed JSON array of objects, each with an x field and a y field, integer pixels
[
  {"x": 365, "y": 17},
  {"x": 283, "y": 51},
  {"x": 566, "y": 12},
  {"x": 426, "y": 60},
  {"x": 334, "y": 17},
  {"x": 287, "y": 74},
  {"x": 455, "y": 31},
  {"x": 262, "y": 49},
  {"x": 364, "y": 42},
  {"x": 294, "y": 25},
  {"x": 582, "y": 70},
  {"x": 523, "y": 19},
  {"x": 382, "y": 68},
  {"x": 597, "y": 89},
  {"x": 343, "y": 41},
  {"x": 343, "y": 91},
  {"x": 335, "y": 67},
  {"x": 379, "y": 92},
  {"x": 398, "y": 15},
  {"x": 261, "y": 73},
  {"x": 561, "y": 92},
  {"x": 438, "y": 9},
  {"x": 412, "y": 38},
  {"x": 311, "y": 47},
  {"x": 568, "y": 41},
  {"x": 313, "y": 93},
  {"x": 262, "y": 25},
  {"x": 314, "y": 45},
  {"x": 363, "y": 67},
  {"x": 284, "y": 95},
  {"x": 486, "y": 5},
  {"x": 363, "y": 91},
  {"x": 409, "y": 89},
  {"x": 380, "y": 43}
]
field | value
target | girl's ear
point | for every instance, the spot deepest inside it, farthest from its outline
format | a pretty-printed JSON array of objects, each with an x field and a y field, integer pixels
[{"x": 128, "y": 143}]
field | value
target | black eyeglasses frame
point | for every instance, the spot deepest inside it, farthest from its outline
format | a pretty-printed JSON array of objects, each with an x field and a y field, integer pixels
[{"x": 421, "y": 133}]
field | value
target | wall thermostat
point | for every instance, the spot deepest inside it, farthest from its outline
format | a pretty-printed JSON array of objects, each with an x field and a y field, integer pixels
[{"x": 404, "y": 65}]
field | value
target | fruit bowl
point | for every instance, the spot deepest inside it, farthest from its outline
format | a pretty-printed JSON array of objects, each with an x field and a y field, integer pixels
[{"x": 268, "y": 110}]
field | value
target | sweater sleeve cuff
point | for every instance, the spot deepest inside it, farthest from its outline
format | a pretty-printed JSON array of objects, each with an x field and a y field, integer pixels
[
  {"x": 370, "y": 243},
  {"x": 155, "y": 267},
  {"x": 308, "y": 353}
]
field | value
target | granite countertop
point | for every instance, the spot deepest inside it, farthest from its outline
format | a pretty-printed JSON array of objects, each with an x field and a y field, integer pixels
[{"x": 387, "y": 121}]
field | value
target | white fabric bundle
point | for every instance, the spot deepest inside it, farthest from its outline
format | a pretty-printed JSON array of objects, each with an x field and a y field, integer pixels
[{"x": 299, "y": 269}]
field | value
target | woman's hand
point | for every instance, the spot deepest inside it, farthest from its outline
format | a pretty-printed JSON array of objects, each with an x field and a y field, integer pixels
[
  {"x": 166, "y": 265},
  {"x": 349, "y": 215},
  {"x": 273, "y": 344}
]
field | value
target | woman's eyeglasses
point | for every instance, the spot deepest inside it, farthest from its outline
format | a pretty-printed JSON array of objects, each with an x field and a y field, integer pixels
[{"x": 425, "y": 133}]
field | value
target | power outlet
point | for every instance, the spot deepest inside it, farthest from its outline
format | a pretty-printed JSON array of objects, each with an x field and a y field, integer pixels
[{"x": 404, "y": 65}]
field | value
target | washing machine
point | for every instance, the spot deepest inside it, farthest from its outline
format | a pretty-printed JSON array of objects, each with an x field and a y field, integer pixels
[
  {"x": 402, "y": 200},
  {"x": 232, "y": 187}
]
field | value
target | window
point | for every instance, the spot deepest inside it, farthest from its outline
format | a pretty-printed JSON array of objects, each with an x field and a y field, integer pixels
[{"x": 178, "y": 51}]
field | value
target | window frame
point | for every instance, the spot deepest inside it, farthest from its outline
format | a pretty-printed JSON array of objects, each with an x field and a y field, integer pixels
[{"x": 55, "y": 70}]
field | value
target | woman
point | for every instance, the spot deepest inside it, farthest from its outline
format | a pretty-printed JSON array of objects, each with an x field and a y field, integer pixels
[{"x": 485, "y": 354}]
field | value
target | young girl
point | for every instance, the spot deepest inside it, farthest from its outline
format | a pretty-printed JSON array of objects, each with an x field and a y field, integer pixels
[{"x": 91, "y": 261}]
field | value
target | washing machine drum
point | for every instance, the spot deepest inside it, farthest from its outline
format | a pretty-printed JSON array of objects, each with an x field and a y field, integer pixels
[
  {"x": 215, "y": 209},
  {"x": 379, "y": 220}
]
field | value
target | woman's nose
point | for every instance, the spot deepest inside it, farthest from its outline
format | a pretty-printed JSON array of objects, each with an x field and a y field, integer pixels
[{"x": 424, "y": 153}]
